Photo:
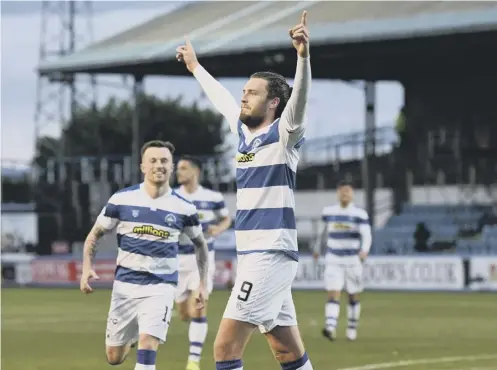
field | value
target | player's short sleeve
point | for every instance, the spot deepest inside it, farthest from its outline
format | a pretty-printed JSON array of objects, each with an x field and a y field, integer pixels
[
  {"x": 192, "y": 228},
  {"x": 220, "y": 208},
  {"x": 363, "y": 218},
  {"x": 109, "y": 216},
  {"x": 324, "y": 214}
]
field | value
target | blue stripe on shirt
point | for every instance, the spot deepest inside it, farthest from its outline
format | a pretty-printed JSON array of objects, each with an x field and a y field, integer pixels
[
  {"x": 130, "y": 276},
  {"x": 190, "y": 248},
  {"x": 265, "y": 219},
  {"x": 344, "y": 235},
  {"x": 148, "y": 248},
  {"x": 343, "y": 252},
  {"x": 145, "y": 215},
  {"x": 204, "y": 205},
  {"x": 343, "y": 218},
  {"x": 265, "y": 176}
]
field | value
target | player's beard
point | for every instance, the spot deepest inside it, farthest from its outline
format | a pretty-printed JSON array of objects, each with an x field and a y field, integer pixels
[
  {"x": 163, "y": 179},
  {"x": 251, "y": 120}
]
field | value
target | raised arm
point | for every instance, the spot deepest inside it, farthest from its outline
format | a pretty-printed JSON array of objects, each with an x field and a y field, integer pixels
[
  {"x": 293, "y": 117},
  {"x": 219, "y": 96}
]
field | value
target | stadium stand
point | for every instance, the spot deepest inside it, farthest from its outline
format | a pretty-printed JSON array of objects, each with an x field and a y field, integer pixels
[
  {"x": 215, "y": 30},
  {"x": 458, "y": 228},
  {"x": 423, "y": 45}
]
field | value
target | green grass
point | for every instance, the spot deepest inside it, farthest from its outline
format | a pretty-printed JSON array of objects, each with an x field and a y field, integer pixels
[{"x": 61, "y": 329}]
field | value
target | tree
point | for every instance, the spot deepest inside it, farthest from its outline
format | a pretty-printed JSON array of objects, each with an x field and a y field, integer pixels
[{"x": 107, "y": 131}]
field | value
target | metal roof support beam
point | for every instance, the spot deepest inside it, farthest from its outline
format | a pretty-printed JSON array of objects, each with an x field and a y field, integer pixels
[
  {"x": 369, "y": 173},
  {"x": 138, "y": 93}
]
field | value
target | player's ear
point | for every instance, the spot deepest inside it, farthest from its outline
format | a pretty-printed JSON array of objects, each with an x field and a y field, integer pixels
[
  {"x": 274, "y": 103},
  {"x": 142, "y": 168}
]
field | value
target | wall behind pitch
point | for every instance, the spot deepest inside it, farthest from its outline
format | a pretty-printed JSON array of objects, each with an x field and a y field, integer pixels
[{"x": 309, "y": 204}]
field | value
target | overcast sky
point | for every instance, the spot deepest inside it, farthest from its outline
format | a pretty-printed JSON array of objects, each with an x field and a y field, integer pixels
[{"x": 335, "y": 107}]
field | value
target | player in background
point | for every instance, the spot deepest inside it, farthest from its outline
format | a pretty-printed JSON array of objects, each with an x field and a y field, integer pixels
[
  {"x": 347, "y": 234},
  {"x": 214, "y": 218},
  {"x": 270, "y": 126},
  {"x": 149, "y": 218}
]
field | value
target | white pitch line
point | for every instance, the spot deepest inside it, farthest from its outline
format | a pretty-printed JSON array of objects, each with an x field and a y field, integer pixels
[
  {"x": 469, "y": 368},
  {"x": 424, "y": 361}
]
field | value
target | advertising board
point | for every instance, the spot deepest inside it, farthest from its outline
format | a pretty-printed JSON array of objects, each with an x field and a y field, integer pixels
[
  {"x": 483, "y": 273},
  {"x": 393, "y": 273}
]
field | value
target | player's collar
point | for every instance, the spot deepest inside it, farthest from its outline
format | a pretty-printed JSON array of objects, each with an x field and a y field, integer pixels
[
  {"x": 167, "y": 193},
  {"x": 183, "y": 190}
]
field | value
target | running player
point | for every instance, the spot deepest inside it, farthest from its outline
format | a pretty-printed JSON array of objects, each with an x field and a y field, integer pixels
[
  {"x": 270, "y": 126},
  {"x": 348, "y": 239},
  {"x": 214, "y": 218},
  {"x": 149, "y": 218}
]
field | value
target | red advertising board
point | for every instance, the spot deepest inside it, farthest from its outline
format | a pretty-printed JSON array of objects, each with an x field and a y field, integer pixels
[
  {"x": 53, "y": 271},
  {"x": 59, "y": 271},
  {"x": 105, "y": 270}
]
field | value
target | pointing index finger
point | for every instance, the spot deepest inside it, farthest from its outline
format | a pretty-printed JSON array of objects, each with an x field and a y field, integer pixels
[
  {"x": 304, "y": 18},
  {"x": 188, "y": 42}
]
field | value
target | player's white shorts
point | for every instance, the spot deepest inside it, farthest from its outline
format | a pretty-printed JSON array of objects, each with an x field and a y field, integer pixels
[
  {"x": 262, "y": 294},
  {"x": 128, "y": 317},
  {"x": 348, "y": 277},
  {"x": 189, "y": 278}
]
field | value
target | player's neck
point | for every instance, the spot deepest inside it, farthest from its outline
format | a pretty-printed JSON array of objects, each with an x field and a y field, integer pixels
[
  {"x": 344, "y": 204},
  {"x": 267, "y": 122},
  {"x": 156, "y": 191},
  {"x": 191, "y": 187}
]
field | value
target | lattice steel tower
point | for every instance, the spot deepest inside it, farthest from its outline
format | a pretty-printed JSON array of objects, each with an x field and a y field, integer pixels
[{"x": 66, "y": 27}]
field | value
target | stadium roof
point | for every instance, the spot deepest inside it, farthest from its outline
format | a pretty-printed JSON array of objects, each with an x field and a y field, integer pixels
[{"x": 215, "y": 30}]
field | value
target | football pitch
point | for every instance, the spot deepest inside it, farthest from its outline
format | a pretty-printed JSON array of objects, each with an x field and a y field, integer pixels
[{"x": 61, "y": 329}]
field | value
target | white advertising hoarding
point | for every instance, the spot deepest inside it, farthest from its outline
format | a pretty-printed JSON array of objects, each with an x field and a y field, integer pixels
[
  {"x": 483, "y": 273},
  {"x": 393, "y": 273}
]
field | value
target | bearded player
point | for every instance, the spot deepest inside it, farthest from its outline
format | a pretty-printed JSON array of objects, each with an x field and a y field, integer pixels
[{"x": 270, "y": 125}]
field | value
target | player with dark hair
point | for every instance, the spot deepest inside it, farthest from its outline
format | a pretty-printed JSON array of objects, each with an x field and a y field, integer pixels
[
  {"x": 149, "y": 219},
  {"x": 214, "y": 219},
  {"x": 347, "y": 235},
  {"x": 270, "y": 125}
]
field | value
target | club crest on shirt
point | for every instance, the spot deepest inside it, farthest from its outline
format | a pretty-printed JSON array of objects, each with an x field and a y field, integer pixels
[
  {"x": 170, "y": 219},
  {"x": 256, "y": 143},
  {"x": 135, "y": 213}
]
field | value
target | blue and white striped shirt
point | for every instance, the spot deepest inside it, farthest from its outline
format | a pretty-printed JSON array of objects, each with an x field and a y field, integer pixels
[
  {"x": 148, "y": 231},
  {"x": 266, "y": 165},
  {"x": 211, "y": 208},
  {"x": 348, "y": 231}
]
